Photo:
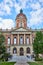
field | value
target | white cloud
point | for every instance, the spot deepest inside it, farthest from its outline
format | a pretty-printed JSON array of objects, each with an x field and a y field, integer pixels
[
  {"x": 36, "y": 17},
  {"x": 6, "y": 23},
  {"x": 35, "y": 6},
  {"x": 36, "y": 13},
  {"x": 21, "y": 4},
  {"x": 8, "y": 1},
  {"x": 40, "y": 0},
  {"x": 5, "y": 8},
  {"x": 17, "y": 7}
]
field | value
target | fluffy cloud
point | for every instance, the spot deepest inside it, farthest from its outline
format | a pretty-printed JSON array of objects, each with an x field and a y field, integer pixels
[
  {"x": 36, "y": 13},
  {"x": 36, "y": 17},
  {"x": 35, "y": 6},
  {"x": 5, "y": 7},
  {"x": 6, "y": 23},
  {"x": 20, "y": 4},
  {"x": 40, "y": 0}
]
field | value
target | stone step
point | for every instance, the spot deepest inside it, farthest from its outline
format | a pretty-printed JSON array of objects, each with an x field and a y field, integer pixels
[{"x": 20, "y": 58}]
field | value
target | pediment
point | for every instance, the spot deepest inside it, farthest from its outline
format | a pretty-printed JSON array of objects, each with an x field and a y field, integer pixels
[{"x": 21, "y": 29}]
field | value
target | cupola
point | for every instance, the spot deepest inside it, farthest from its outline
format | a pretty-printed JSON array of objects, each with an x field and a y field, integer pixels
[{"x": 21, "y": 20}]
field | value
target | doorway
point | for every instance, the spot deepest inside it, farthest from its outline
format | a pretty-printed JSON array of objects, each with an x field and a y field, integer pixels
[{"x": 21, "y": 51}]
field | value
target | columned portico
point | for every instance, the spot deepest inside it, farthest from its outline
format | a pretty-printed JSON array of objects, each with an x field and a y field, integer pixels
[{"x": 24, "y": 39}]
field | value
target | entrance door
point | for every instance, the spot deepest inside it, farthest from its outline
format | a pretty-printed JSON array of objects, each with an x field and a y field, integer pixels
[{"x": 21, "y": 51}]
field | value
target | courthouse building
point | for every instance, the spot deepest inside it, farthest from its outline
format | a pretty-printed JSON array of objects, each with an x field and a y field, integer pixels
[{"x": 19, "y": 40}]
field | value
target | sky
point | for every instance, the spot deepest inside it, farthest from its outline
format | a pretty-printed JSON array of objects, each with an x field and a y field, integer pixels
[{"x": 33, "y": 9}]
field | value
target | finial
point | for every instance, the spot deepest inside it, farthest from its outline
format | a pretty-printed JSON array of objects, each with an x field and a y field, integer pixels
[{"x": 21, "y": 11}]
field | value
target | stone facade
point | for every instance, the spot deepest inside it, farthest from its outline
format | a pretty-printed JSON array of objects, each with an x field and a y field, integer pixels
[{"x": 19, "y": 40}]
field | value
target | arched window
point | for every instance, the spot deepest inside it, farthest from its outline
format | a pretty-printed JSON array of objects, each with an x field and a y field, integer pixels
[
  {"x": 28, "y": 50},
  {"x": 14, "y": 40},
  {"x": 14, "y": 50},
  {"x": 8, "y": 40},
  {"x": 21, "y": 40},
  {"x": 27, "y": 40}
]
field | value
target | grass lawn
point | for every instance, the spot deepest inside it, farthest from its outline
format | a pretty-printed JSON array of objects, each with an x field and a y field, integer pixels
[
  {"x": 7, "y": 63},
  {"x": 36, "y": 63}
]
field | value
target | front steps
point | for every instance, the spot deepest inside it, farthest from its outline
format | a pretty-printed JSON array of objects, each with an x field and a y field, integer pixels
[{"x": 20, "y": 59}]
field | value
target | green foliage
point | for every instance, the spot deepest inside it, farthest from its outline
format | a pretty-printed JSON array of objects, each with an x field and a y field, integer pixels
[
  {"x": 7, "y": 63},
  {"x": 3, "y": 55},
  {"x": 38, "y": 59},
  {"x": 36, "y": 63},
  {"x": 38, "y": 43},
  {"x": 2, "y": 47},
  {"x": 2, "y": 38}
]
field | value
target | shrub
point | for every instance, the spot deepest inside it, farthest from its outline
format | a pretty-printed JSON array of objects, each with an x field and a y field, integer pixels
[{"x": 38, "y": 59}]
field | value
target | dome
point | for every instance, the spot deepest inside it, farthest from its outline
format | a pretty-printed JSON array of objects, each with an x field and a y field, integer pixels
[{"x": 21, "y": 15}]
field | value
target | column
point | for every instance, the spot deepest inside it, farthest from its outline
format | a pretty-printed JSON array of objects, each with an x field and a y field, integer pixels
[
  {"x": 11, "y": 39},
  {"x": 18, "y": 39},
  {"x": 31, "y": 47},
  {"x": 30, "y": 39},
  {"x": 24, "y": 38}
]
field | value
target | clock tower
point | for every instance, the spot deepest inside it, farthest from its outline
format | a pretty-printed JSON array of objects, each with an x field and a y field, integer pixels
[{"x": 21, "y": 20}]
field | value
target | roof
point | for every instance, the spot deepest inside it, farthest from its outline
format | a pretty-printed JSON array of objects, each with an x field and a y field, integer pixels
[{"x": 21, "y": 14}]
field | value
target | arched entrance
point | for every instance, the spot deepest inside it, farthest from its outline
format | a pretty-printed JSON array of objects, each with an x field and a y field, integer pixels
[
  {"x": 14, "y": 50},
  {"x": 28, "y": 50},
  {"x": 21, "y": 51}
]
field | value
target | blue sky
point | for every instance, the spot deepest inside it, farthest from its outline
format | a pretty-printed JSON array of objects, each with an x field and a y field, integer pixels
[{"x": 33, "y": 9}]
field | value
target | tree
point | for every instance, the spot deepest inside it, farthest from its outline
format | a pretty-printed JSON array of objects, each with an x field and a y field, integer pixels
[
  {"x": 38, "y": 43},
  {"x": 2, "y": 46},
  {"x": 3, "y": 54}
]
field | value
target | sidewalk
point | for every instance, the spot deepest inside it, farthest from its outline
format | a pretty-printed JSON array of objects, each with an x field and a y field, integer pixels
[{"x": 21, "y": 63}]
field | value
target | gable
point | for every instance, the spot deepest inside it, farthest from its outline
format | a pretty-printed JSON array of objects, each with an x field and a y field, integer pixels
[{"x": 21, "y": 29}]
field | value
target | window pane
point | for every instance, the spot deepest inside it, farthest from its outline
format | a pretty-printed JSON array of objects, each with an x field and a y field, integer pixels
[
  {"x": 27, "y": 40},
  {"x": 21, "y": 40},
  {"x": 9, "y": 40},
  {"x": 15, "y": 40}
]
